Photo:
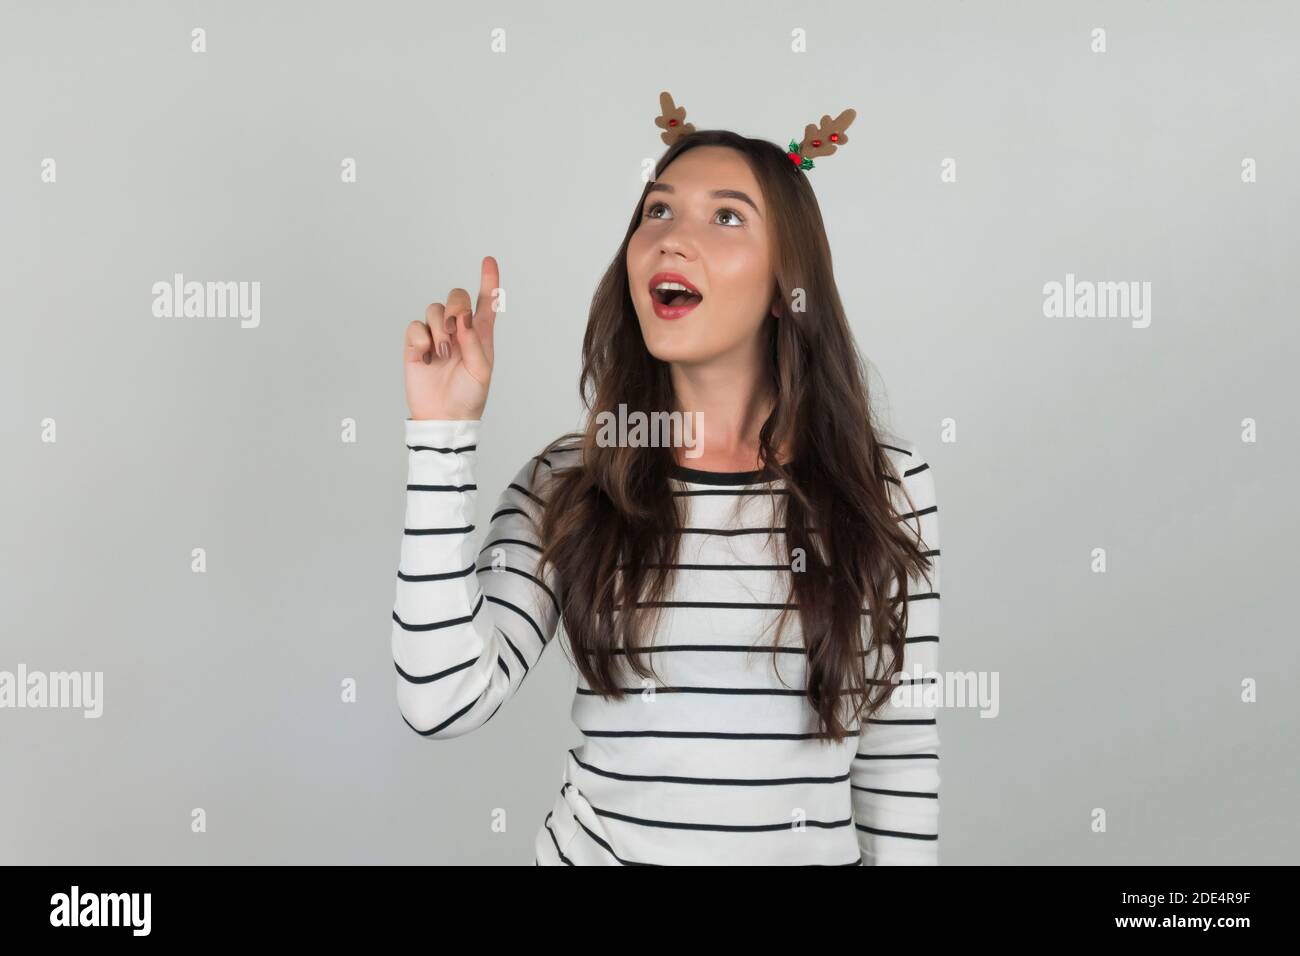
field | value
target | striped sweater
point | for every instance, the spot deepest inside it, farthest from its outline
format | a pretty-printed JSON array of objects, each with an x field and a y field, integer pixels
[{"x": 717, "y": 762}]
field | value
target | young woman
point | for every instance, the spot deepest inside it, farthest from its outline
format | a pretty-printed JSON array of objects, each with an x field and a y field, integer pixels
[{"x": 740, "y": 613}]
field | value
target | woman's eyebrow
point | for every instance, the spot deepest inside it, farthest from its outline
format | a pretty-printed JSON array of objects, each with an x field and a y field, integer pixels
[{"x": 716, "y": 194}]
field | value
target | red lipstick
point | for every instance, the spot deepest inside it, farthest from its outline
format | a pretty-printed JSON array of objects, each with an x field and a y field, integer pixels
[{"x": 657, "y": 299}]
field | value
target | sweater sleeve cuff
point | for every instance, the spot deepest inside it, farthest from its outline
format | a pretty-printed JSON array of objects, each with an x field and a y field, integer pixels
[{"x": 442, "y": 433}]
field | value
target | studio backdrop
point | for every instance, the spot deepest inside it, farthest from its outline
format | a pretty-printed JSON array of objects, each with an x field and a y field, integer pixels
[{"x": 1065, "y": 235}]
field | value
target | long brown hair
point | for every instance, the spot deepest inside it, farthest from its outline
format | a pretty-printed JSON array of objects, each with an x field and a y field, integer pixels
[{"x": 610, "y": 524}]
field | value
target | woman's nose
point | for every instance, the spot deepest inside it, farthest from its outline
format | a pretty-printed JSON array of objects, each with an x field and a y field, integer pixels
[{"x": 678, "y": 238}]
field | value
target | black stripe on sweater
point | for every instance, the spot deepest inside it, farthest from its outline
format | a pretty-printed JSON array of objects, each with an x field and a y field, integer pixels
[
  {"x": 723, "y": 827},
  {"x": 896, "y": 793},
  {"x": 522, "y": 613},
  {"x": 547, "y": 823},
  {"x": 707, "y": 781},
  {"x": 524, "y": 574},
  {"x": 444, "y": 451},
  {"x": 436, "y": 675},
  {"x": 897, "y": 833},
  {"x": 446, "y": 723},
  {"x": 446, "y": 575},
  {"x": 706, "y": 734},
  {"x": 450, "y": 622}
]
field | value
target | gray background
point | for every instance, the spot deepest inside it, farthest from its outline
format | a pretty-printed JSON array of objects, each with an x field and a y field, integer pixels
[{"x": 222, "y": 689}]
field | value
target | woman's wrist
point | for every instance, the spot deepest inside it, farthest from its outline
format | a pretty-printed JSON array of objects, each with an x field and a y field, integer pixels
[{"x": 442, "y": 432}]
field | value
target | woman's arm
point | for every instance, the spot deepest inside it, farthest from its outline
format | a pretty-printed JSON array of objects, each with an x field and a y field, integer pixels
[
  {"x": 466, "y": 628},
  {"x": 895, "y": 775},
  {"x": 468, "y": 624}
]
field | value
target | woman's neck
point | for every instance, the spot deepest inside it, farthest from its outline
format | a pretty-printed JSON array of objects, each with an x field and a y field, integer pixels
[{"x": 731, "y": 400}]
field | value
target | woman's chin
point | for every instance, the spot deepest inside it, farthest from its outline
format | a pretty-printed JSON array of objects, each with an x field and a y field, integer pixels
[
  {"x": 668, "y": 351},
  {"x": 672, "y": 341}
]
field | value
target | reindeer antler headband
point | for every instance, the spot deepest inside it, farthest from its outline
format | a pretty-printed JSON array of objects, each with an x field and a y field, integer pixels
[{"x": 820, "y": 140}]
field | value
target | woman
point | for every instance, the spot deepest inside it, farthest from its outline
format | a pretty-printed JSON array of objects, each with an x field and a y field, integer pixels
[{"x": 739, "y": 611}]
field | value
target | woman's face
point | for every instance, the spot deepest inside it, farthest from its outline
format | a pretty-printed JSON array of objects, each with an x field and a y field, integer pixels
[{"x": 717, "y": 244}]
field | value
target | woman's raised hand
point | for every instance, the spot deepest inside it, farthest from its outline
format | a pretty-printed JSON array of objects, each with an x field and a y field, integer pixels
[{"x": 448, "y": 358}]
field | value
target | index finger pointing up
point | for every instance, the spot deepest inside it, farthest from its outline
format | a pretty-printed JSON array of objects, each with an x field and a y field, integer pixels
[
  {"x": 484, "y": 314},
  {"x": 489, "y": 283}
]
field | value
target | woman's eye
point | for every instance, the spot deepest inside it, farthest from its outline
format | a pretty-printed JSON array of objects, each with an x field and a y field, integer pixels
[{"x": 738, "y": 220}]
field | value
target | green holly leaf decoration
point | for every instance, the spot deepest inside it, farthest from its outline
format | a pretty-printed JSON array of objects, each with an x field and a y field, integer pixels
[{"x": 804, "y": 161}]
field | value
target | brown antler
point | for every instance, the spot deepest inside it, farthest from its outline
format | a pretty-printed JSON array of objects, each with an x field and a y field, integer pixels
[
  {"x": 823, "y": 140},
  {"x": 672, "y": 119}
]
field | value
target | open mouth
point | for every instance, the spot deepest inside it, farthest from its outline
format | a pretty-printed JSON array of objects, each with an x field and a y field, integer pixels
[
  {"x": 673, "y": 295},
  {"x": 676, "y": 297}
]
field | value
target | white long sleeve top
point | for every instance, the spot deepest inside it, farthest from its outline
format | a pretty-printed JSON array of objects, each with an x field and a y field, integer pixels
[{"x": 718, "y": 762}]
